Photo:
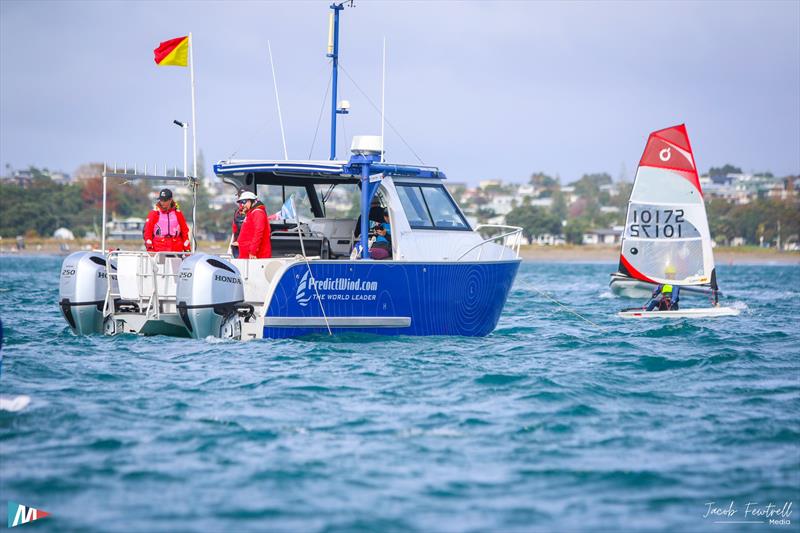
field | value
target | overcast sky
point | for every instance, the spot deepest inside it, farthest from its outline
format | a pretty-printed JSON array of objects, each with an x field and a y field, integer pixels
[{"x": 480, "y": 89}]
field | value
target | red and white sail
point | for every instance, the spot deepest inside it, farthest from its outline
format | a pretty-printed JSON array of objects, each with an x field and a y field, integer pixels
[{"x": 666, "y": 237}]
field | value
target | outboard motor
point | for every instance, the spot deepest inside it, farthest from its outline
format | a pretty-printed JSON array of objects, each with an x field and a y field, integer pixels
[
  {"x": 82, "y": 291},
  {"x": 210, "y": 297}
]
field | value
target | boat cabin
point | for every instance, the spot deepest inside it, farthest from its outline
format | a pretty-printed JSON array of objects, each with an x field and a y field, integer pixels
[{"x": 426, "y": 222}]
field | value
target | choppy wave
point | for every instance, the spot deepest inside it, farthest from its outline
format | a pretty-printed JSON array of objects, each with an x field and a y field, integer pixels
[
  {"x": 13, "y": 404},
  {"x": 550, "y": 423}
]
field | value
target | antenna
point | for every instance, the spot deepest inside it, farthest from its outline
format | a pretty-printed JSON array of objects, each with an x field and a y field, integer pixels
[
  {"x": 383, "y": 101},
  {"x": 333, "y": 53},
  {"x": 278, "y": 101}
]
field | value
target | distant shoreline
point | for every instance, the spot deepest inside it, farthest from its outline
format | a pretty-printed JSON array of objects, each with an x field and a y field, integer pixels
[
  {"x": 530, "y": 253},
  {"x": 610, "y": 254}
]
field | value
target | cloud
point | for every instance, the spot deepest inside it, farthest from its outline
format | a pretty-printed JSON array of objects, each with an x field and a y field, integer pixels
[{"x": 480, "y": 89}]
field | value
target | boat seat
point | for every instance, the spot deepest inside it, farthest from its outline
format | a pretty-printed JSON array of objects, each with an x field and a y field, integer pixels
[
  {"x": 339, "y": 232},
  {"x": 282, "y": 226},
  {"x": 288, "y": 245}
]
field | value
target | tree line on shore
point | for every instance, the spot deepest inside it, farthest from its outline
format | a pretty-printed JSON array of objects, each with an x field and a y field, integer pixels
[
  {"x": 42, "y": 206},
  {"x": 763, "y": 220}
]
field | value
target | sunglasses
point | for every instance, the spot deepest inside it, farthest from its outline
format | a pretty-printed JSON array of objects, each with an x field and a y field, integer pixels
[{"x": 242, "y": 202}]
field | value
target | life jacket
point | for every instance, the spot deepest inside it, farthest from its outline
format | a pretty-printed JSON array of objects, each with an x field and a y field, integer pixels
[
  {"x": 167, "y": 224},
  {"x": 166, "y": 231}
]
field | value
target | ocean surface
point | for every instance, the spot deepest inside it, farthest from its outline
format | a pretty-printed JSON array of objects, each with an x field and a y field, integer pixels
[{"x": 551, "y": 423}]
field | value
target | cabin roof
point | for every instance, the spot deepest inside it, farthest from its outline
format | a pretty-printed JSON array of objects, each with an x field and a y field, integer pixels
[
  {"x": 294, "y": 167},
  {"x": 310, "y": 172}
]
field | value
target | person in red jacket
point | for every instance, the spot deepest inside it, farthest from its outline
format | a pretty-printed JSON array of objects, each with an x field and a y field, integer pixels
[
  {"x": 165, "y": 229},
  {"x": 254, "y": 235}
]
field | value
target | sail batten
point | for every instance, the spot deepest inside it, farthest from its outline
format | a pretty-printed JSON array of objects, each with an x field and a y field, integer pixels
[{"x": 666, "y": 237}]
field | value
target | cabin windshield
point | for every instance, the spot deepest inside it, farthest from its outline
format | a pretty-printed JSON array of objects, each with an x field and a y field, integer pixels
[{"x": 430, "y": 207}]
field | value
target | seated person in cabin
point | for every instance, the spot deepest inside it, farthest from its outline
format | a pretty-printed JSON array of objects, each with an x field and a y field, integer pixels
[
  {"x": 165, "y": 229},
  {"x": 669, "y": 294},
  {"x": 382, "y": 245},
  {"x": 254, "y": 237},
  {"x": 375, "y": 215}
]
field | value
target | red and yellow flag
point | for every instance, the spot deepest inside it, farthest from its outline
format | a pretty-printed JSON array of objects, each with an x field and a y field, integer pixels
[{"x": 174, "y": 52}]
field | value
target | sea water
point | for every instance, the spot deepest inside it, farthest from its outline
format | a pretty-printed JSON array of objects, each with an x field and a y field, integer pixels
[{"x": 550, "y": 423}]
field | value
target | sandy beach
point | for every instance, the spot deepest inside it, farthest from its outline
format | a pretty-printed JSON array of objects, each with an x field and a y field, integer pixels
[{"x": 610, "y": 254}]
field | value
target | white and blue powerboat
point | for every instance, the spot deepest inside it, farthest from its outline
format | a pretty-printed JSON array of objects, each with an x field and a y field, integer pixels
[{"x": 444, "y": 276}]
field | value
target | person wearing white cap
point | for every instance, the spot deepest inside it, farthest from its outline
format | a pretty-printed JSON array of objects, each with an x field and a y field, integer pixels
[{"x": 254, "y": 235}]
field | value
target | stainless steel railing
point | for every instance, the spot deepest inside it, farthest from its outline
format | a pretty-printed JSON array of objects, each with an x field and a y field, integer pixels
[
  {"x": 512, "y": 240},
  {"x": 150, "y": 299}
]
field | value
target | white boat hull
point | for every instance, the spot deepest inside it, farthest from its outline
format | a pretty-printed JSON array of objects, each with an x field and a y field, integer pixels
[
  {"x": 707, "y": 312},
  {"x": 626, "y": 287},
  {"x": 630, "y": 288}
]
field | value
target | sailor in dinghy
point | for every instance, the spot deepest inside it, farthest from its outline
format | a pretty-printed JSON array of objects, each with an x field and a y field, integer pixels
[
  {"x": 666, "y": 241},
  {"x": 666, "y": 297}
]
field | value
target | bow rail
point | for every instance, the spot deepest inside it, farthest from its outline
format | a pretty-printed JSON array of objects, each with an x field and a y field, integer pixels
[{"x": 511, "y": 240}]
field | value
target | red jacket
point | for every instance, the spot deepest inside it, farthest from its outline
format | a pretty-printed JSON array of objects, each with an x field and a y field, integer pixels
[
  {"x": 254, "y": 237},
  {"x": 166, "y": 231}
]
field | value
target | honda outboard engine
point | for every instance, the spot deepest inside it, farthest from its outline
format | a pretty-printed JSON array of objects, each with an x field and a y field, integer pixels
[
  {"x": 82, "y": 291},
  {"x": 210, "y": 294}
]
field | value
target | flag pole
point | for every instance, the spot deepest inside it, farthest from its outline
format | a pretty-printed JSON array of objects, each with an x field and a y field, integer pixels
[
  {"x": 194, "y": 116},
  {"x": 105, "y": 181}
]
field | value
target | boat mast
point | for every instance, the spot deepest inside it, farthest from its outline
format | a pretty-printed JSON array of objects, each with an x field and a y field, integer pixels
[
  {"x": 366, "y": 190},
  {"x": 333, "y": 53}
]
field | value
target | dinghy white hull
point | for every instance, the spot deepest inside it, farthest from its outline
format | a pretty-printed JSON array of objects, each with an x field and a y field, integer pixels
[
  {"x": 627, "y": 287},
  {"x": 708, "y": 312}
]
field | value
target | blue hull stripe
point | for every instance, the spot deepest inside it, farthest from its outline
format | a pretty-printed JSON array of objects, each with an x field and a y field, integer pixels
[{"x": 439, "y": 298}]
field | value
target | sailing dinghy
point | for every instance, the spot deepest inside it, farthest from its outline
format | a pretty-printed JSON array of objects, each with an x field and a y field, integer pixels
[
  {"x": 708, "y": 312},
  {"x": 666, "y": 238}
]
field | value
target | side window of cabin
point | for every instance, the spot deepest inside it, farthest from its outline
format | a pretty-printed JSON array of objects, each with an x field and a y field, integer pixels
[
  {"x": 444, "y": 212},
  {"x": 414, "y": 206},
  {"x": 430, "y": 207}
]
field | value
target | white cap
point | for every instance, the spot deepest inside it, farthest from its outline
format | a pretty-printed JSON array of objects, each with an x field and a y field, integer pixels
[{"x": 247, "y": 195}]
